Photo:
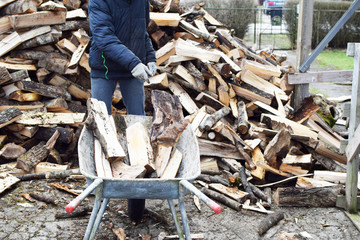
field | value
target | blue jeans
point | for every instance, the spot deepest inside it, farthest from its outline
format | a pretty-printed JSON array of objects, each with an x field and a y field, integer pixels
[{"x": 132, "y": 91}]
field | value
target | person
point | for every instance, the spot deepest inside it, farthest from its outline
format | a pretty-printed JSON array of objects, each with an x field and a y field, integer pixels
[{"x": 120, "y": 52}]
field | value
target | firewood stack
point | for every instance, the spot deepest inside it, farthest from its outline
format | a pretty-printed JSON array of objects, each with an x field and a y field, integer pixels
[{"x": 237, "y": 101}]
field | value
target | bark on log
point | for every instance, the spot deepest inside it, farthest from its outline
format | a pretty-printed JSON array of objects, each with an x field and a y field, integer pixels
[
  {"x": 9, "y": 115},
  {"x": 246, "y": 185},
  {"x": 270, "y": 221},
  {"x": 196, "y": 74},
  {"x": 212, "y": 179},
  {"x": 221, "y": 198},
  {"x": 44, "y": 90},
  {"x": 300, "y": 197},
  {"x": 241, "y": 122},
  {"x": 79, "y": 212},
  {"x": 43, "y": 198},
  {"x": 214, "y": 118},
  {"x": 277, "y": 148},
  {"x": 49, "y": 175},
  {"x": 168, "y": 123}
]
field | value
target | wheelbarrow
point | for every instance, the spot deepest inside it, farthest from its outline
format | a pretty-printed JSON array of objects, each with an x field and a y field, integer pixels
[{"x": 141, "y": 188}]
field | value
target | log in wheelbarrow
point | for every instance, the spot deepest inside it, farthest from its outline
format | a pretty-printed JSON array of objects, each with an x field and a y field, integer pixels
[{"x": 141, "y": 188}]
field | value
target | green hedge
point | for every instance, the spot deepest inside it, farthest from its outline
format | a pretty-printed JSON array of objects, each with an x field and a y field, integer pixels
[
  {"x": 326, "y": 15},
  {"x": 237, "y": 18}
]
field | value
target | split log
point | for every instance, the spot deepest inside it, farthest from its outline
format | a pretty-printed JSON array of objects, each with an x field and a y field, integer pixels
[
  {"x": 166, "y": 19},
  {"x": 158, "y": 82},
  {"x": 165, "y": 52},
  {"x": 250, "y": 78},
  {"x": 186, "y": 49},
  {"x": 308, "y": 108},
  {"x": 241, "y": 122},
  {"x": 102, "y": 165},
  {"x": 139, "y": 146},
  {"x": 4, "y": 75},
  {"x": 182, "y": 72},
  {"x": 168, "y": 122},
  {"x": 277, "y": 123},
  {"x": 277, "y": 148},
  {"x": 185, "y": 99},
  {"x": 300, "y": 197},
  {"x": 252, "y": 94},
  {"x": 221, "y": 81},
  {"x": 239, "y": 145},
  {"x": 124, "y": 171},
  {"x": 258, "y": 159},
  {"x": 21, "y": 96},
  {"x": 9, "y": 116},
  {"x": 44, "y": 90},
  {"x": 270, "y": 221},
  {"x": 162, "y": 157},
  {"x": 198, "y": 77},
  {"x": 7, "y": 181},
  {"x": 212, "y": 119},
  {"x": 11, "y": 151},
  {"x": 41, "y": 40},
  {"x": 294, "y": 170},
  {"x": 330, "y": 152},
  {"x": 218, "y": 149},
  {"x": 99, "y": 122},
  {"x": 47, "y": 118},
  {"x": 224, "y": 96},
  {"x": 261, "y": 70},
  {"x": 56, "y": 104},
  {"x": 197, "y": 32},
  {"x": 36, "y": 154},
  {"x": 221, "y": 198},
  {"x": 209, "y": 100},
  {"x": 173, "y": 165},
  {"x": 37, "y": 19},
  {"x": 43, "y": 198},
  {"x": 305, "y": 182},
  {"x": 233, "y": 193}
]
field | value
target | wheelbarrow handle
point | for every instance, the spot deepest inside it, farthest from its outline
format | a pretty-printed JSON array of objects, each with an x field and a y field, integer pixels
[
  {"x": 76, "y": 202},
  {"x": 210, "y": 203}
]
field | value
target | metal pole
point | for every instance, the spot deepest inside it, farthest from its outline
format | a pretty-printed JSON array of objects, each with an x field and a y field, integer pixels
[{"x": 304, "y": 67}]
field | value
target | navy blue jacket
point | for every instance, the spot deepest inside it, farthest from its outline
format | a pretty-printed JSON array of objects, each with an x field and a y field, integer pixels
[{"x": 119, "y": 38}]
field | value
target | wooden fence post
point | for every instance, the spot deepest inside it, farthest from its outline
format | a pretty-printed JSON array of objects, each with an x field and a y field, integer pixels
[
  {"x": 353, "y": 165},
  {"x": 303, "y": 47}
]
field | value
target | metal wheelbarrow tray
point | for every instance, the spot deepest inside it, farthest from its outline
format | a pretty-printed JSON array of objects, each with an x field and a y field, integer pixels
[{"x": 140, "y": 188}]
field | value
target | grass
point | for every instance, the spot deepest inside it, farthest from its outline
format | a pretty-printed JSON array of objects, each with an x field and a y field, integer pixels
[
  {"x": 317, "y": 91},
  {"x": 336, "y": 59}
]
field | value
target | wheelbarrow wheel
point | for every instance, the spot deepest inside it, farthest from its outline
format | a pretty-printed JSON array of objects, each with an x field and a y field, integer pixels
[{"x": 136, "y": 208}]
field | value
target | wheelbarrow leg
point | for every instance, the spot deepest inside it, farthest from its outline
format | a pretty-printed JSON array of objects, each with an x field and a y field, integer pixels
[
  {"x": 95, "y": 211},
  {"x": 176, "y": 219},
  {"x": 183, "y": 212},
  {"x": 99, "y": 217}
]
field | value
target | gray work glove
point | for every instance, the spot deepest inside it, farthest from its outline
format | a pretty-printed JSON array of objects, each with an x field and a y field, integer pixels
[
  {"x": 141, "y": 72},
  {"x": 152, "y": 67}
]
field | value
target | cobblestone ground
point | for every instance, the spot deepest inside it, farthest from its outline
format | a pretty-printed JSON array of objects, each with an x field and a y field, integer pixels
[{"x": 20, "y": 219}]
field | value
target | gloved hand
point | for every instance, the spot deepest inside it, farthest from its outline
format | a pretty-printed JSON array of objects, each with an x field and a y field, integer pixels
[
  {"x": 152, "y": 67},
  {"x": 141, "y": 71}
]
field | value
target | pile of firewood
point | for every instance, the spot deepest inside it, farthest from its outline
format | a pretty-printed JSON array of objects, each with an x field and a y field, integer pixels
[{"x": 237, "y": 101}]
